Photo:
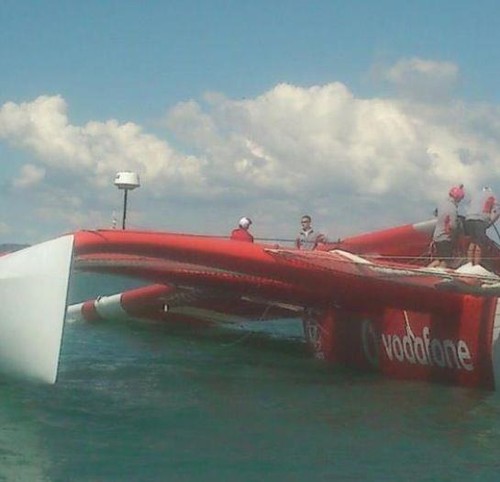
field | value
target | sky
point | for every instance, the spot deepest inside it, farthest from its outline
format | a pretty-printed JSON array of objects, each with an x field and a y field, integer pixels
[{"x": 360, "y": 113}]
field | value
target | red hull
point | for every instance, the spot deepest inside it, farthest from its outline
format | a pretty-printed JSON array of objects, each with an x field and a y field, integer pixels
[
  {"x": 368, "y": 313},
  {"x": 455, "y": 349}
]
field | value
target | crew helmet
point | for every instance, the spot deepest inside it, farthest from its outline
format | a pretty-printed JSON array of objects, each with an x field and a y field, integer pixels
[
  {"x": 244, "y": 222},
  {"x": 457, "y": 193}
]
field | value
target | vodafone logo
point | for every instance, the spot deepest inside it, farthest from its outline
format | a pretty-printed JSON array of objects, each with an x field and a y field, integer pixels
[{"x": 420, "y": 350}]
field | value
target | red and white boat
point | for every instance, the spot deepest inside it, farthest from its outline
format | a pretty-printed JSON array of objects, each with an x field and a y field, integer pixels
[{"x": 368, "y": 301}]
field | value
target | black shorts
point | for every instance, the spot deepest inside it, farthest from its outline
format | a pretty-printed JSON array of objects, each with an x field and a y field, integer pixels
[
  {"x": 444, "y": 250},
  {"x": 476, "y": 229}
]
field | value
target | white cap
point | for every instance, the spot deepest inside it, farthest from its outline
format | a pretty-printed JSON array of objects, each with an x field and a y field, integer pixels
[{"x": 244, "y": 222}]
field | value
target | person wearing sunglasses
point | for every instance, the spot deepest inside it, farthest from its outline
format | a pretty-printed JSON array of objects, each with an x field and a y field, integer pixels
[{"x": 308, "y": 239}]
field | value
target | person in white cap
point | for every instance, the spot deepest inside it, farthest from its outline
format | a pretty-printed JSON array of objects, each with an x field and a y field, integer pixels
[{"x": 241, "y": 233}]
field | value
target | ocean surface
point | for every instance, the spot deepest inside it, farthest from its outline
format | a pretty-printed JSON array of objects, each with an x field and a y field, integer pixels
[{"x": 145, "y": 402}]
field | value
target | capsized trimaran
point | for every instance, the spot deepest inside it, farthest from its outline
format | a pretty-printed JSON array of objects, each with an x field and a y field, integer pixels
[{"x": 367, "y": 301}]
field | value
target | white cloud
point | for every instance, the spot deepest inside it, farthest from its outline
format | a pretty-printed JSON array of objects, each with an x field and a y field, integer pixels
[
  {"x": 298, "y": 141},
  {"x": 354, "y": 163},
  {"x": 407, "y": 69},
  {"x": 94, "y": 151},
  {"x": 421, "y": 79},
  {"x": 30, "y": 176}
]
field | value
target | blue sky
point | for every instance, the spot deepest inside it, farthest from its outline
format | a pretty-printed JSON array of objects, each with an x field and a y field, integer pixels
[{"x": 362, "y": 113}]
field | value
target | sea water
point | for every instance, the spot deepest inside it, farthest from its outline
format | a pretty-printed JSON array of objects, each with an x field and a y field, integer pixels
[{"x": 146, "y": 402}]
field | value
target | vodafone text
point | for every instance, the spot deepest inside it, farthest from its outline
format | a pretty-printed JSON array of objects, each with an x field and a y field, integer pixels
[{"x": 422, "y": 350}]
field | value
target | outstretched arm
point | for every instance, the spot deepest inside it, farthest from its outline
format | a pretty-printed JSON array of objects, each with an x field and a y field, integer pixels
[{"x": 320, "y": 239}]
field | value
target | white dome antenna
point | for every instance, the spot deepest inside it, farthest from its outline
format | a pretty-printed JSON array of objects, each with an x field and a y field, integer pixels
[{"x": 126, "y": 180}]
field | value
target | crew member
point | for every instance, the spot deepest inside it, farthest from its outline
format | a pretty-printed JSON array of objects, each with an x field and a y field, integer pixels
[
  {"x": 241, "y": 233},
  {"x": 308, "y": 239},
  {"x": 444, "y": 236},
  {"x": 482, "y": 213}
]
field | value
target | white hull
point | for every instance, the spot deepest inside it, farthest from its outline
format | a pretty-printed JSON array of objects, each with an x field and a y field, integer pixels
[{"x": 33, "y": 293}]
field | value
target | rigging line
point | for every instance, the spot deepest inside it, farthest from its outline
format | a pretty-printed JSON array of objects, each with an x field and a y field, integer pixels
[
  {"x": 382, "y": 258},
  {"x": 284, "y": 240},
  {"x": 245, "y": 336},
  {"x": 249, "y": 333},
  {"x": 396, "y": 257},
  {"x": 138, "y": 227}
]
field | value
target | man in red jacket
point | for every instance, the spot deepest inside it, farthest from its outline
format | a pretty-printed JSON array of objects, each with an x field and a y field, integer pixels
[{"x": 241, "y": 233}]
